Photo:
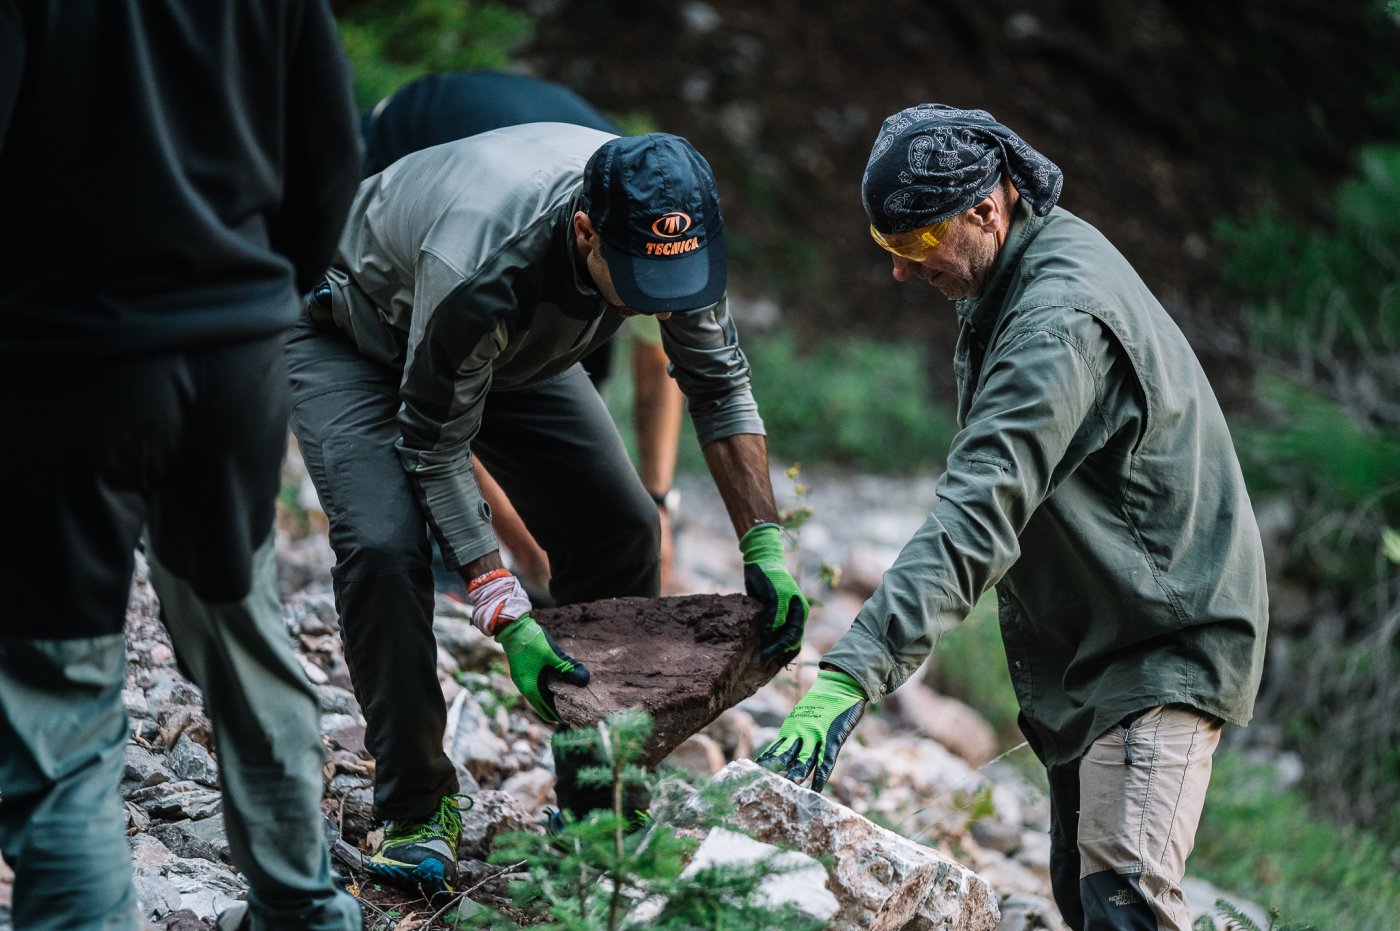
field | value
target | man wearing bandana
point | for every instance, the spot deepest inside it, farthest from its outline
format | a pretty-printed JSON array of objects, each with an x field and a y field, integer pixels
[{"x": 1094, "y": 484}]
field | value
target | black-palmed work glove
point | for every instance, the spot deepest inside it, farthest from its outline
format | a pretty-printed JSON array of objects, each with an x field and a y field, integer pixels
[
  {"x": 814, "y": 731},
  {"x": 501, "y": 608},
  {"x": 766, "y": 578}
]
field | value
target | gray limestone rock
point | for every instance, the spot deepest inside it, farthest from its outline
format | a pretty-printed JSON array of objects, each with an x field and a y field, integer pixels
[
  {"x": 143, "y": 768},
  {"x": 155, "y": 894},
  {"x": 175, "y": 800},
  {"x": 882, "y": 881},
  {"x": 189, "y": 760},
  {"x": 337, "y": 700},
  {"x": 1029, "y": 913},
  {"x": 492, "y": 813},
  {"x": 802, "y": 883},
  {"x": 800, "y": 880},
  {"x": 204, "y": 839},
  {"x": 950, "y": 722},
  {"x": 471, "y": 739}
]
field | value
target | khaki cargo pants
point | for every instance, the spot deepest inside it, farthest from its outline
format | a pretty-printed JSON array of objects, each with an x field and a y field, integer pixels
[{"x": 1124, "y": 818}]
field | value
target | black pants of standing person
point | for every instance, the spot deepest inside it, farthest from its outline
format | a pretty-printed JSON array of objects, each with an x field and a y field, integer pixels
[
  {"x": 188, "y": 445},
  {"x": 557, "y": 454}
]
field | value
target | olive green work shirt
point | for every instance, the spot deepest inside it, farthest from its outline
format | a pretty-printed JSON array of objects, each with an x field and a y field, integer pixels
[{"x": 1094, "y": 483}]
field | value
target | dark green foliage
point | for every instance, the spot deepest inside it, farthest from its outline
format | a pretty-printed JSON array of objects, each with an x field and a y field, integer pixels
[
  {"x": 857, "y": 403},
  {"x": 591, "y": 876},
  {"x": 1325, "y": 293},
  {"x": 1340, "y": 471},
  {"x": 1264, "y": 842},
  {"x": 1244, "y": 922},
  {"x": 393, "y": 41},
  {"x": 1325, "y": 307}
]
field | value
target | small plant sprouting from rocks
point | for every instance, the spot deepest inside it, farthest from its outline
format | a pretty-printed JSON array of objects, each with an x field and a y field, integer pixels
[
  {"x": 793, "y": 519},
  {"x": 602, "y": 873}
]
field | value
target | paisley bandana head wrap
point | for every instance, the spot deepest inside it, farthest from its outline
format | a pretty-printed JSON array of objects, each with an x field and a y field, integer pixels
[{"x": 933, "y": 161}]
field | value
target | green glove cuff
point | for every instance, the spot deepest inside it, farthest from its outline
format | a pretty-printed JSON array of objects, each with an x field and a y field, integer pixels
[
  {"x": 516, "y": 636},
  {"x": 833, "y": 685},
  {"x": 812, "y": 735},
  {"x": 763, "y": 543}
]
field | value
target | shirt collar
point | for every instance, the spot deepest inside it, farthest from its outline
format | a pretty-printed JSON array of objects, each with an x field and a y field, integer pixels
[{"x": 981, "y": 312}]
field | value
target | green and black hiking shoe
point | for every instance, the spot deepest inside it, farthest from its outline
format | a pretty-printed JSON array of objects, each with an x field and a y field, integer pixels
[{"x": 422, "y": 853}]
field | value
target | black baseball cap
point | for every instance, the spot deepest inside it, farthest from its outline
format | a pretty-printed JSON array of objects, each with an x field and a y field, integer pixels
[{"x": 652, "y": 199}]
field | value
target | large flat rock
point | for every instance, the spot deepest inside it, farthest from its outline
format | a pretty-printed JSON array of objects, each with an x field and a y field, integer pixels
[{"x": 683, "y": 660}]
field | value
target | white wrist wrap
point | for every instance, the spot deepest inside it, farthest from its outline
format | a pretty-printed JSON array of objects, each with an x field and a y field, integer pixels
[{"x": 497, "y": 598}]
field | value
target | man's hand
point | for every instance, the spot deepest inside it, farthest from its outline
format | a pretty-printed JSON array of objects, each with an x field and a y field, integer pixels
[
  {"x": 766, "y": 578},
  {"x": 813, "y": 733},
  {"x": 534, "y": 659},
  {"x": 501, "y": 608}
]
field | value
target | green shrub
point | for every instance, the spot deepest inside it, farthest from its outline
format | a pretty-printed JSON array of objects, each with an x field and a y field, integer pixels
[
  {"x": 1310, "y": 439},
  {"x": 1324, "y": 308},
  {"x": 1238, "y": 919},
  {"x": 593, "y": 874},
  {"x": 1324, "y": 294},
  {"x": 1263, "y": 842},
  {"x": 857, "y": 403},
  {"x": 393, "y": 41},
  {"x": 1334, "y": 699}
]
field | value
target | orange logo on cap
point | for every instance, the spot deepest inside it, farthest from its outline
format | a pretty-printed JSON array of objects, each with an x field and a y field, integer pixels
[{"x": 671, "y": 225}]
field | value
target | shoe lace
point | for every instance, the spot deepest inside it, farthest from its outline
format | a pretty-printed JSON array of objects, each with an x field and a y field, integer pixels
[
  {"x": 449, "y": 814},
  {"x": 446, "y": 823}
]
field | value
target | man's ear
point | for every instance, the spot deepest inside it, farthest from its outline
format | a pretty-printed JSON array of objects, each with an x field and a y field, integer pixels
[
  {"x": 584, "y": 234},
  {"x": 988, "y": 211}
]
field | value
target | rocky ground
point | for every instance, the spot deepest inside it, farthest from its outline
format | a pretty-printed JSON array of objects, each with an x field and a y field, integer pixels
[{"x": 918, "y": 763}]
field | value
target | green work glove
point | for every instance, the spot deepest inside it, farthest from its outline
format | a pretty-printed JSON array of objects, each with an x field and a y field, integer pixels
[
  {"x": 766, "y": 578},
  {"x": 534, "y": 659},
  {"x": 813, "y": 733}
]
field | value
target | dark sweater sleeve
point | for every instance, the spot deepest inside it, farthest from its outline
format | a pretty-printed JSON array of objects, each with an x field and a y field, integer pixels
[
  {"x": 11, "y": 62},
  {"x": 323, "y": 148}
]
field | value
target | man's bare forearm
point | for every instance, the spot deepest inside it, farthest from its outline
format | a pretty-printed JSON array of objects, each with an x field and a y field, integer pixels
[
  {"x": 479, "y": 567},
  {"x": 656, "y": 413},
  {"x": 739, "y": 466}
]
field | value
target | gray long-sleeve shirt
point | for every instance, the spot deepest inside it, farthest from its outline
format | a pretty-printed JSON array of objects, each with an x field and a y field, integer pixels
[
  {"x": 458, "y": 267},
  {"x": 1094, "y": 483}
]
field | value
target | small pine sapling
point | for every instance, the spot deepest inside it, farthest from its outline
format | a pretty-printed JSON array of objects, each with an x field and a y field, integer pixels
[{"x": 595, "y": 872}]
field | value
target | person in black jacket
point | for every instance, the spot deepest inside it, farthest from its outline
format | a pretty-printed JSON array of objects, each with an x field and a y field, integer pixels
[{"x": 174, "y": 175}]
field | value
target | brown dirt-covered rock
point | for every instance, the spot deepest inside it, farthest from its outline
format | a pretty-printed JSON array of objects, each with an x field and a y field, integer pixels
[{"x": 683, "y": 660}]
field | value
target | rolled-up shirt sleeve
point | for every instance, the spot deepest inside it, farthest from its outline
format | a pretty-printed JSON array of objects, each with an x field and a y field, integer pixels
[
  {"x": 1039, "y": 388},
  {"x": 712, "y": 372}
]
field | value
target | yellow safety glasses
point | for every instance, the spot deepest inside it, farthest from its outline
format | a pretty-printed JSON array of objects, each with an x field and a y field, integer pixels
[{"x": 914, "y": 245}]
